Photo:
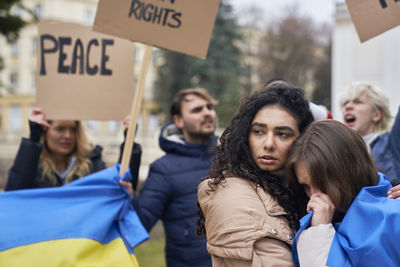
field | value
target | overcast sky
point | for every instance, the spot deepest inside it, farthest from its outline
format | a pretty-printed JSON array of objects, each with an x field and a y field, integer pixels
[{"x": 319, "y": 10}]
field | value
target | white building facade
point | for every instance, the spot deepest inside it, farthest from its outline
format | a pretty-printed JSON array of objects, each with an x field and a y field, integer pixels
[{"x": 376, "y": 60}]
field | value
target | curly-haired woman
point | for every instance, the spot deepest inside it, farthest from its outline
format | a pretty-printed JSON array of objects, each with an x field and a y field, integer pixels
[{"x": 248, "y": 212}]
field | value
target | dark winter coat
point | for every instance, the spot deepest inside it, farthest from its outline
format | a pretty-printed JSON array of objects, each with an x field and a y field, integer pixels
[{"x": 170, "y": 194}]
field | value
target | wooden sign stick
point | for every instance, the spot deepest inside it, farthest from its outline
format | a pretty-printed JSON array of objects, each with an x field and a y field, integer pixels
[{"x": 137, "y": 102}]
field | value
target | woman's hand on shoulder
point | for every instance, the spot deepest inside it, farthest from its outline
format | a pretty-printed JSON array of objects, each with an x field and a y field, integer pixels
[
  {"x": 39, "y": 117},
  {"x": 394, "y": 192},
  {"x": 323, "y": 209}
]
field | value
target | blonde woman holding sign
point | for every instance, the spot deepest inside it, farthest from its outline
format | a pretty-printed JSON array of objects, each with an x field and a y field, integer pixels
[{"x": 56, "y": 153}]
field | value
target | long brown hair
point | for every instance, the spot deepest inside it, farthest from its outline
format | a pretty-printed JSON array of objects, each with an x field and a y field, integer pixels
[
  {"x": 337, "y": 161},
  {"x": 81, "y": 152}
]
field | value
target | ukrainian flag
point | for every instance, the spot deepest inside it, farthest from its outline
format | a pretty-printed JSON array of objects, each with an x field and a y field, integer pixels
[{"x": 72, "y": 225}]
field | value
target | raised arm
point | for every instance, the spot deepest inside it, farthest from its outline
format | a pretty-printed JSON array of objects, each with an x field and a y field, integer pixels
[{"x": 23, "y": 172}]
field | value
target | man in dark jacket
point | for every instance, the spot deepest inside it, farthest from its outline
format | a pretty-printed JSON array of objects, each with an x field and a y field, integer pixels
[{"x": 170, "y": 191}]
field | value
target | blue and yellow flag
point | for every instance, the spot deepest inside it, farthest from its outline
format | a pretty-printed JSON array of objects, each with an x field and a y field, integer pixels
[
  {"x": 72, "y": 225},
  {"x": 369, "y": 234}
]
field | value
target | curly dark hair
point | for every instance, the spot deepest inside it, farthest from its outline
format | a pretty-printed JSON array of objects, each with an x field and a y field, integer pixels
[{"x": 233, "y": 155}]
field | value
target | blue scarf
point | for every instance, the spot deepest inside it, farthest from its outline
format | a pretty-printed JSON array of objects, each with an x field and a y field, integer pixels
[{"x": 369, "y": 234}]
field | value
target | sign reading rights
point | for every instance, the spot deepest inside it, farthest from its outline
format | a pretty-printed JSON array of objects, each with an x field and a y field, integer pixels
[
  {"x": 180, "y": 25},
  {"x": 373, "y": 17},
  {"x": 155, "y": 14},
  {"x": 83, "y": 75}
]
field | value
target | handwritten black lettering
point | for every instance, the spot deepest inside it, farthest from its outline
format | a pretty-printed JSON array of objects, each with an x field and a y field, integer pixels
[
  {"x": 77, "y": 54},
  {"x": 384, "y": 4},
  {"x": 78, "y": 59},
  {"x": 134, "y": 8},
  {"x": 62, "y": 41},
  {"x": 167, "y": 11},
  {"x": 104, "y": 57},
  {"x": 171, "y": 1},
  {"x": 43, "y": 51},
  {"x": 95, "y": 69},
  {"x": 147, "y": 14},
  {"x": 155, "y": 14},
  {"x": 177, "y": 18}
]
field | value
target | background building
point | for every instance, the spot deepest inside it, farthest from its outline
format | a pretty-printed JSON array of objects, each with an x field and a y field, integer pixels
[{"x": 376, "y": 60}]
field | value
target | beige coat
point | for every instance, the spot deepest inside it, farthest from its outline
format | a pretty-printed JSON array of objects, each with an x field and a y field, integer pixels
[{"x": 245, "y": 226}]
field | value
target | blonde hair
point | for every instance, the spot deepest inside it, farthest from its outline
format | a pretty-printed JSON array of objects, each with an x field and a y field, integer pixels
[
  {"x": 378, "y": 99},
  {"x": 81, "y": 152}
]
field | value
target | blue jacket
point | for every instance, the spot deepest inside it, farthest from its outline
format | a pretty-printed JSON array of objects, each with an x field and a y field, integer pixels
[
  {"x": 385, "y": 150},
  {"x": 368, "y": 234},
  {"x": 170, "y": 194}
]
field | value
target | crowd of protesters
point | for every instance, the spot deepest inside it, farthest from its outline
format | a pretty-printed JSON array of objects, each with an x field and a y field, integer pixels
[{"x": 281, "y": 158}]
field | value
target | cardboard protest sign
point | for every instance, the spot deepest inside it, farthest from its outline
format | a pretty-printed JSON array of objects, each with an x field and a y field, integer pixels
[
  {"x": 373, "y": 17},
  {"x": 83, "y": 75},
  {"x": 184, "y": 26}
]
